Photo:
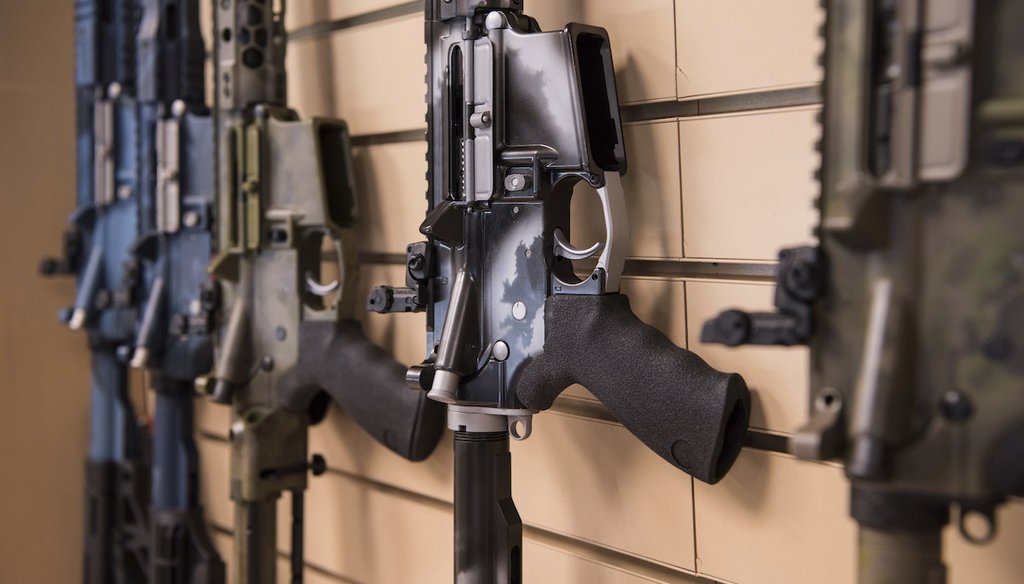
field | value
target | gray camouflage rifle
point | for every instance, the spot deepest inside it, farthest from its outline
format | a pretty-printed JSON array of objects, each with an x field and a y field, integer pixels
[
  {"x": 517, "y": 118},
  {"x": 913, "y": 303},
  {"x": 287, "y": 342}
]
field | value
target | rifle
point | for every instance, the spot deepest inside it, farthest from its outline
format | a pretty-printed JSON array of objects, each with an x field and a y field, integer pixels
[
  {"x": 517, "y": 117},
  {"x": 287, "y": 343},
  {"x": 173, "y": 337},
  {"x": 97, "y": 250},
  {"x": 913, "y": 301}
]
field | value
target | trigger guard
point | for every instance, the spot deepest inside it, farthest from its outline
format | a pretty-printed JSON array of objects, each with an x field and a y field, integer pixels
[
  {"x": 319, "y": 289},
  {"x": 564, "y": 249}
]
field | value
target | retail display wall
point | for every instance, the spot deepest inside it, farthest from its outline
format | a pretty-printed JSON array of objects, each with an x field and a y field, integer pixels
[{"x": 722, "y": 104}]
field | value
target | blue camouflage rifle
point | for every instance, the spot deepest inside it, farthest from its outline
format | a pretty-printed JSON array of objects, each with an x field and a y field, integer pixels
[
  {"x": 286, "y": 343},
  {"x": 517, "y": 118},
  {"x": 176, "y": 188},
  {"x": 105, "y": 223}
]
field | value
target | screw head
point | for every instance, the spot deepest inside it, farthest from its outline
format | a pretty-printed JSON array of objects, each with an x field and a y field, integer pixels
[
  {"x": 500, "y": 351},
  {"x": 267, "y": 363},
  {"x": 190, "y": 219},
  {"x": 956, "y": 406},
  {"x": 516, "y": 182}
]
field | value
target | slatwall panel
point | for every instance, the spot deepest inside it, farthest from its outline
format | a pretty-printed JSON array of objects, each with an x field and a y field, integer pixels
[{"x": 730, "y": 186}]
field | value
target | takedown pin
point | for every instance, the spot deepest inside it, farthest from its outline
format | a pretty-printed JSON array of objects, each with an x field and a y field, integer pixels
[{"x": 77, "y": 320}]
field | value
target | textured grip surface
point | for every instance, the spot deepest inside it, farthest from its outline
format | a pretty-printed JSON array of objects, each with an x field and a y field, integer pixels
[
  {"x": 337, "y": 358},
  {"x": 690, "y": 414}
]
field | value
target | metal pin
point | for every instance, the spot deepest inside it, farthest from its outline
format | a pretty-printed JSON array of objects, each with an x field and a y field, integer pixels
[{"x": 77, "y": 319}]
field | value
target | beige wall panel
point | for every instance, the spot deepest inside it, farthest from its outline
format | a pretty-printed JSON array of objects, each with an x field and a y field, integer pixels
[
  {"x": 542, "y": 563},
  {"x": 306, "y": 12},
  {"x": 776, "y": 520},
  {"x": 215, "y": 486},
  {"x": 652, "y": 191},
  {"x": 643, "y": 40},
  {"x": 310, "y": 576},
  {"x": 369, "y": 534},
  {"x": 652, "y": 188},
  {"x": 659, "y": 303},
  {"x": 570, "y": 468},
  {"x": 999, "y": 562},
  {"x": 346, "y": 8},
  {"x": 748, "y": 183},
  {"x": 310, "y": 85},
  {"x": 44, "y": 374},
  {"x": 779, "y": 377},
  {"x": 225, "y": 543},
  {"x": 212, "y": 418},
  {"x": 378, "y": 74},
  {"x": 741, "y": 45},
  {"x": 392, "y": 195},
  {"x": 347, "y": 447}
]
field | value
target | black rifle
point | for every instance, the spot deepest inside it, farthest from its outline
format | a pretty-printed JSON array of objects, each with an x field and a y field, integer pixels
[
  {"x": 913, "y": 303},
  {"x": 518, "y": 117},
  {"x": 173, "y": 337},
  {"x": 287, "y": 343}
]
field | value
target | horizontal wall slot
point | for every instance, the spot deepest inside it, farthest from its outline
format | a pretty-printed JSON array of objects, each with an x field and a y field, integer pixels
[
  {"x": 723, "y": 104},
  {"x": 320, "y": 29},
  {"x": 678, "y": 269},
  {"x": 755, "y": 101}
]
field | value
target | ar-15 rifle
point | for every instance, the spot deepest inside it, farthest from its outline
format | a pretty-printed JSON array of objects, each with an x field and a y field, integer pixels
[
  {"x": 98, "y": 251},
  {"x": 284, "y": 186},
  {"x": 913, "y": 303},
  {"x": 176, "y": 196},
  {"x": 517, "y": 117}
]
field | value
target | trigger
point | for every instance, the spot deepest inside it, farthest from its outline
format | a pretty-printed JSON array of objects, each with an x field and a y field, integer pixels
[
  {"x": 564, "y": 249},
  {"x": 320, "y": 289}
]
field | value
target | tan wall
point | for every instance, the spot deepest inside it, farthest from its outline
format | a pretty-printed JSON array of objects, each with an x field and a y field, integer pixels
[
  {"x": 599, "y": 507},
  {"x": 43, "y": 367}
]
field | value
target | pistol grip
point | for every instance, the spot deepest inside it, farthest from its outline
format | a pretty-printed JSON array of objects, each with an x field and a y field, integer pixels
[
  {"x": 692, "y": 415},
  {"x": 338, "y": 359}
]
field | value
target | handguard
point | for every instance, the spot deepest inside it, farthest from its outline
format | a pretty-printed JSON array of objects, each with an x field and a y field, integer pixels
[
  {"x": 692, "y": 415},
  {"x": 338, "y": 359}
]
